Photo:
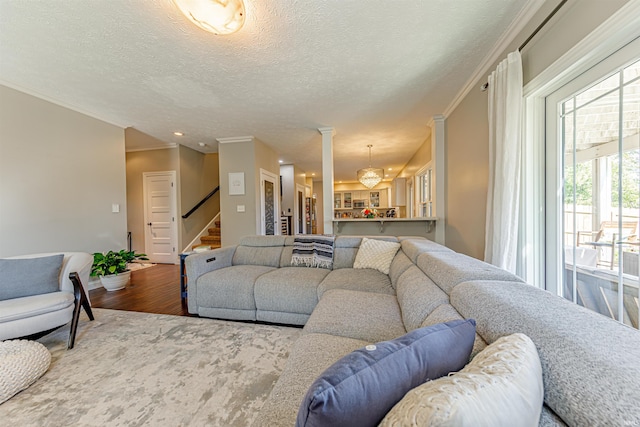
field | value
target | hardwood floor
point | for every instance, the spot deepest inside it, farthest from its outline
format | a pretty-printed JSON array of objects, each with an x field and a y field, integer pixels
[{"x": 151, "y": 290}]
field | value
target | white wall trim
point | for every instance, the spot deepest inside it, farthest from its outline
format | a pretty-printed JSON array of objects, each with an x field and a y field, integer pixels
[
  {"x": 620, "y": 29},
  {"x": 160, "y": 147},
  {"x": 203, "y": 232},
  {"x": 62, "y": 104},
  {"x": 523, "y": 18}
]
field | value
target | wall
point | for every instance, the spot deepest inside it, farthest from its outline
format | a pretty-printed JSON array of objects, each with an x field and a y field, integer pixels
[
  {"x": 467, "y": 143},
  {"x": 60, "y": 172},
  {"x": 419, "y": 160},
  {"x": 248, "y": 157},
  {"x": 287, "y": 178},
  {"x": 199, "y": 175},
  {"x": 137, "y": 163}
]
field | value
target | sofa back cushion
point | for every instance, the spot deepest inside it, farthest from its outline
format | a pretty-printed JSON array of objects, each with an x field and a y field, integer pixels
[
  {"x": 399, "y": 265},
  {"x": 590, "y": 362},
  {"x": 260, "y": 250},
  {"x": 446, "y": 313},
  {"x": 413, "y": 247},
  {"x": 448, "y": 269},
  {"x": 417, "y": 296}
]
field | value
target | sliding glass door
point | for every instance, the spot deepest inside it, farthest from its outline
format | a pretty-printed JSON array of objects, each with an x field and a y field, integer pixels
[{"x": 593, "y": 188}]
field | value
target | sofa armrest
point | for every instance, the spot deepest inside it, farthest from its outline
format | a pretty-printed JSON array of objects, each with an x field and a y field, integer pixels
[{"x": 201, "y": 263}]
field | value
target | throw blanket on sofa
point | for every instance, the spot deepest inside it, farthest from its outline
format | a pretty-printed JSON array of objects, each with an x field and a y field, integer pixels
[{"x": 313, "y": 251}]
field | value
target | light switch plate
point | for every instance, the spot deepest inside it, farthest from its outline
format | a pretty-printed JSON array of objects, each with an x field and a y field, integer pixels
[
  {"x": 240, "y": 208},
  {"x": 115, "y": 208}
]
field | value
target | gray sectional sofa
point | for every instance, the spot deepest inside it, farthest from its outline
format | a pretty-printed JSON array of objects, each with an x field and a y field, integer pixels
[{"x": 591, "y": 364}]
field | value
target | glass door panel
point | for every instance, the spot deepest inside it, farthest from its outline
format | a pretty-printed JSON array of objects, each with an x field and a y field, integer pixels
[{"x": 599, "y": 129}]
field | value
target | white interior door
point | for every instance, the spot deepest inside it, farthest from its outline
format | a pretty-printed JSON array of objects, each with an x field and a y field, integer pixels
[
  {"x": 161, "y": 229},
  {"x": 269, "y": 196}
]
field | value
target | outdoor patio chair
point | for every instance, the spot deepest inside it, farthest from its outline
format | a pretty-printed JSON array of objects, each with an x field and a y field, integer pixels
[{"x": 608, "y": 236}]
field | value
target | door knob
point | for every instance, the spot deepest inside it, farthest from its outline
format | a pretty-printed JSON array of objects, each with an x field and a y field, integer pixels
[{"x": 149, "y": 224}]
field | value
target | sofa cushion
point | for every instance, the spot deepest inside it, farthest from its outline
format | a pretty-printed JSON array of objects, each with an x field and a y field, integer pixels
[
  {"x": 376, "y": 254},
  {"x": 399, "y": 265},
  {"x": 360, "y": 388},
  {"x": 446, "y": 313},
  {"x": 230, "y": 287},
  {"x": 289, "y": 289},
  {"x": 418, "y": 296},
  {"x": 502, "y": 386},
  {"x": 257, "y": 255},
  {"x": 24, "y": 277},
  {"x": 367, "y": 280},
  {"x": 34, "y": 305},
  {"x": 310, "y": 355},
  {"x": 365, "y": 316},
  {"x": 414, "y": 247},
  {"x": 447, "y": 269},
  {"x": 601, "y": 389}
]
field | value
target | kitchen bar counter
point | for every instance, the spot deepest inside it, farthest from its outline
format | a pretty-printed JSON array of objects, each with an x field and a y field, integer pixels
[{"x": 384, "y": 223}]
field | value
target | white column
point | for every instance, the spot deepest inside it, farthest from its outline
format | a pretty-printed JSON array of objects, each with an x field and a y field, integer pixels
[
  {"x": 327, "y": 178},
  {"x": 439, "y": 166}
]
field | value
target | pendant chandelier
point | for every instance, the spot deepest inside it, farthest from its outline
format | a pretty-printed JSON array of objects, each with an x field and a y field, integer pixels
[
  {"x": 216, "y": 16},
  {"x": 370, "y": 177}
]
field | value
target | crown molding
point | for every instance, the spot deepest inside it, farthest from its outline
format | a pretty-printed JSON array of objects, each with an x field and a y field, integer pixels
[
  {"x": 235, "y": 139},
  {"x": 159, "y": 147},
  {"x": 59, "y": 103},
  {"x": 328, "y": 129},
  {"x": 617, "y": 31},
  {"x": 523, "y": 18}
]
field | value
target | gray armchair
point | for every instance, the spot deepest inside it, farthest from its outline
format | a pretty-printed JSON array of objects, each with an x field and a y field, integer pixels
[{"x": 38, "y": 314}]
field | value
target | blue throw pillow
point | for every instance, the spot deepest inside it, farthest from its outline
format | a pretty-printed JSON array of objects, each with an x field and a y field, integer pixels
[
  {"x": 359, "y": 389},
  {"x": 23, "y": 277}
]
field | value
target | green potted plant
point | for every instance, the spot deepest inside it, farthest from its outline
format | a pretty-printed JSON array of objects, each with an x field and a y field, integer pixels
[{"x": 111, "y": 267}]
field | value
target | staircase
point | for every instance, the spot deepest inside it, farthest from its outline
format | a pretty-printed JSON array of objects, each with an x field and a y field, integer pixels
[{"x": 213, "y": 239}]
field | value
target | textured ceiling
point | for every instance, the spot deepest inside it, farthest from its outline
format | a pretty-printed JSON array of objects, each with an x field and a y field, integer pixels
[{"x": 375, "y": 70}]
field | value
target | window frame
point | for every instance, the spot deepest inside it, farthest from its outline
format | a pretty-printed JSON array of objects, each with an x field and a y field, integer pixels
[{"x": 618, "y": 31}]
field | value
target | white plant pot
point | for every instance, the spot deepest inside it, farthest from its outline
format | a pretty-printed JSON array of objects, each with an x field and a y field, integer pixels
[{"x": 115, "y": 282}]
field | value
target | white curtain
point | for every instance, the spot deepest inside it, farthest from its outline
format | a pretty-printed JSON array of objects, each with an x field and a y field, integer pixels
[{"x": 503, "y": 196}]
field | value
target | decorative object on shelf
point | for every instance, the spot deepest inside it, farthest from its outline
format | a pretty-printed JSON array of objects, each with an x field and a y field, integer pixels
[
  {"x": 369, "y": 213},
  {"x": 220, "y": 17},
  {"x": 370, "y": 177},
  {"x": 112, "y": 269}
]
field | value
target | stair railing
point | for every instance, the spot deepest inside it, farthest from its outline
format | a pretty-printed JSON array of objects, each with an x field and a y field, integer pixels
[{"x": 201, "y": 202}]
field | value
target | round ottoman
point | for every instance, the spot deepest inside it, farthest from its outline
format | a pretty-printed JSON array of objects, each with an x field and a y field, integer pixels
[{"x": 21, "y": 363}]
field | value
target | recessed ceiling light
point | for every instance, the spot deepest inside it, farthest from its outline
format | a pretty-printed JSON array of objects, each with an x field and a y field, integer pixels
[
  {"x": 313, "y": 174},
  {"x": 390, "y": 169},
  {"x": 202, "y": 144},
  {"x": 387, "y": 175},
  {"x": 178, "y": 134},
  {"x": 280, "y": 161}
]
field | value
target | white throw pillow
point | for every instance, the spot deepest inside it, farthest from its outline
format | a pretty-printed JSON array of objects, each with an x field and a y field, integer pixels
[
  {"x": 376, "y": 254},
  {"x": 501, "y": 386}
]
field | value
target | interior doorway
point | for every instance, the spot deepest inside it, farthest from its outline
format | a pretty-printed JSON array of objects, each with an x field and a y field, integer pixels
[
  {"x": 161, "y": 229},
  {"x": 300, "y": 227}
]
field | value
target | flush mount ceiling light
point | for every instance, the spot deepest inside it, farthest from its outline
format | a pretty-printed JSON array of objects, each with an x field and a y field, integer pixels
[
  {"x": 216, "y": 16},
  {"x": 370, "y": 177}
]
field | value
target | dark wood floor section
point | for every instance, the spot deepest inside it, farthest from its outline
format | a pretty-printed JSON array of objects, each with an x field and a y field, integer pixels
[{"x": 151, "y": 290}]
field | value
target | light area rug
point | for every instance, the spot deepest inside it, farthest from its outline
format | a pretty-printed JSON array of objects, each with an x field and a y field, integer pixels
[{"x": 140, "y": 369}]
